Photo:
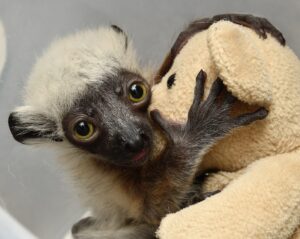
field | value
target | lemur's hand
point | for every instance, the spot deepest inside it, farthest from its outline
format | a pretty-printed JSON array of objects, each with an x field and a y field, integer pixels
[
  {"x": 212, "y": 116},
  {"x": 207, "y": 120}
]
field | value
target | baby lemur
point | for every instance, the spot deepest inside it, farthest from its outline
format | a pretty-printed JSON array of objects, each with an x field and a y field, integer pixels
[{"x": 87, "y": 95}]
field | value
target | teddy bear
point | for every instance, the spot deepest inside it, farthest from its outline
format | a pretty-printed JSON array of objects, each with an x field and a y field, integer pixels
[{"x": 259, "y": 165}]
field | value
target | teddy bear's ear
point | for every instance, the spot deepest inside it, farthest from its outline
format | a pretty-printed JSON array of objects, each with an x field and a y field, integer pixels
[{"x": 238, "y": 55}]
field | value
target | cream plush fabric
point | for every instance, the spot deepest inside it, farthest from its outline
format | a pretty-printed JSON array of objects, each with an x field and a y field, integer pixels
[
  {"x": 2, "y": 47},
  {"x": 263, "y": 200}
]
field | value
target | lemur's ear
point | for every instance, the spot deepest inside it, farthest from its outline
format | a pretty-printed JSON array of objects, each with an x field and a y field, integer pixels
[
  {"x": 119, "y": 30},
  {"x": 241, "y": 61},
  {"x": 30, "y": 126}
]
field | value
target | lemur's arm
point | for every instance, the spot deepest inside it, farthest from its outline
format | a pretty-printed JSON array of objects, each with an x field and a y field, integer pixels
[{"x": 170, "y": 178}]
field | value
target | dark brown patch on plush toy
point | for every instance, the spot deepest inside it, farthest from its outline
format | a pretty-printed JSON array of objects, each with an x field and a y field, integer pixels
[{"x": 260, "y": 25}]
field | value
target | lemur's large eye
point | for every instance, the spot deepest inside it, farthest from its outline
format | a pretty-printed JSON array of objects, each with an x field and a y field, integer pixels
[
  {"x": 83, "y": 130},
  {"x": 137, "y": 92}
]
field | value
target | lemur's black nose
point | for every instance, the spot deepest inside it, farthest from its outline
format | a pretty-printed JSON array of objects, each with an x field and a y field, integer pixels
[{"x": 134, "y": 144}]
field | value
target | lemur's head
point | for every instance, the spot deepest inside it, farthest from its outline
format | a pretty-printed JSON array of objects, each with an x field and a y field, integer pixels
[{"x": 87, "y": 90}]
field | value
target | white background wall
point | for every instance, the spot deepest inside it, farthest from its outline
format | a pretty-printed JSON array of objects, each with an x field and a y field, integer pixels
[{"x": 31, "y": 183}]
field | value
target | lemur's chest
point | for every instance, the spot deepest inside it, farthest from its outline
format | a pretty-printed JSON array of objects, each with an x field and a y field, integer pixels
[
  {"x": 103, "y": 191},
  {"x": 110, "y": 198}
]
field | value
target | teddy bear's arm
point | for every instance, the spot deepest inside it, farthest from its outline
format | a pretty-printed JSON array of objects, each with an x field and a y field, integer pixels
[
  {"x": 218, "y": 181},
  {"x": 210, "y": 184},
  {"x": 262, "y": 203}
]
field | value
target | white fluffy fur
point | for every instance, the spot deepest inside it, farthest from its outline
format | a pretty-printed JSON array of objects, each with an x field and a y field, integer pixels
[
  {"x": 97, "y": 188},
  {"x": 2, "y": 47},
  {"x": 70, "y": 64},
  {"x": 59, "y": 77}
]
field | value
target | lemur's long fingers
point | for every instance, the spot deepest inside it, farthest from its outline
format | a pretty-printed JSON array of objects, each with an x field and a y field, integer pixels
[
  {"x": 199, "y": 92},
  {"x": 215, "y": 91},
  {"x": 199, "y": 89},
  {"x": 229, "y": 99},
  {"x": 248, "y": 118},
  {"x": 161, "y": 122}
]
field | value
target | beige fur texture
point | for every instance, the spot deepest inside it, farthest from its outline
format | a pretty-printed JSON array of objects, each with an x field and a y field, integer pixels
[{"x": 263, "y": 200}]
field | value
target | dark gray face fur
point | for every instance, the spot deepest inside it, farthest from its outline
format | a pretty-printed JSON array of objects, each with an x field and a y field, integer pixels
[{"x": 123, "y": 133}]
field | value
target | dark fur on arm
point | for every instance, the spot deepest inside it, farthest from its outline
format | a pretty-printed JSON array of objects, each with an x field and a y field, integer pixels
[{"x": 171, "y": 177}]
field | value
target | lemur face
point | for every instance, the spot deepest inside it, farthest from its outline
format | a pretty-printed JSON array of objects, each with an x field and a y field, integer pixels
[
  {"x": 110, "y": 120},
  {"x": 87, "y": 90}
]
